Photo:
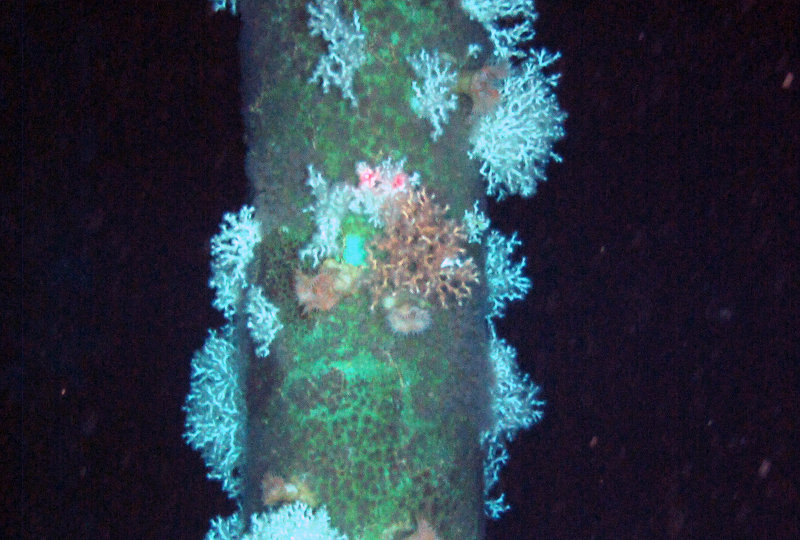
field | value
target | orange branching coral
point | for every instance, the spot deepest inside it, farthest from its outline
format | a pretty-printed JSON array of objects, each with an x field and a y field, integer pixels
[{"x": 421, "y": 252}]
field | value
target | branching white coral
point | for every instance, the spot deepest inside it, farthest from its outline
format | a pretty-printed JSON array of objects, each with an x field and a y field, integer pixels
[
  {"x": 216, "y": 412},
  {"x": 229, "y": 528},
  {"x": 232, "y": 249},
  {"x": 433, "y": 100},
  {"x": 377, "y": 185},
  {"x": 505, "y": 278},
  {"x": 515, "y": 141},
  {"x": 509, "y": 23},
  {"x": 330, "y": 205},
  {"x": 218, "y": 5},
  {"x": 293, "y": 521},
  {"x": 475, "y": 223},
  {"x": 262, "y": 320},
  {"x": 332, "y": 202},
  {"x": 346, "y": 47},
  {"x": 515, "y": 406}
]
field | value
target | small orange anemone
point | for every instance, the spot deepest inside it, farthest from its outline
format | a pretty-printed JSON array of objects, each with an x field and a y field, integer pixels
[{"x": 316, "y": 292}]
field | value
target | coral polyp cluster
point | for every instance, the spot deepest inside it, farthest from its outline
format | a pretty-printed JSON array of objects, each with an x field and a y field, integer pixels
[{"x": 422, "y": 253}]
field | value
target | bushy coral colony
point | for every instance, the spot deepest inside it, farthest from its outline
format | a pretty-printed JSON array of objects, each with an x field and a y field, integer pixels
[
  {"x": 361, "y": 322},
  {"x": 215, "y": 409},
  {"x": 346, "y": 43},
  {"x": 515, "y": 141},
  {"x": 434, "y": 99}
]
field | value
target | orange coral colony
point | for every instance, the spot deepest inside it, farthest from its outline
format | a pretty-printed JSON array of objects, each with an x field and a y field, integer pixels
[
  {"x": 421, "y": 253},
  {"x": 323, "y": 291},
  {"x": 316, "y": 292}
]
